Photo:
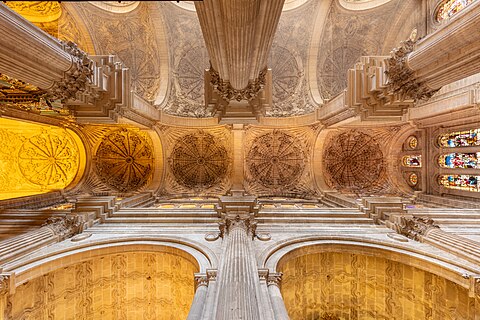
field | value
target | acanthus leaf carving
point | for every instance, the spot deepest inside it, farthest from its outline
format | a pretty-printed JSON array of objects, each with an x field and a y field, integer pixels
[
  {"x": 228, "y": 93},
  {"x": 402, "y": 79},
  {"x": 64, "y": 227},
  {"x": 416, "y": 227},
  {"x": 77, "y": 78}
]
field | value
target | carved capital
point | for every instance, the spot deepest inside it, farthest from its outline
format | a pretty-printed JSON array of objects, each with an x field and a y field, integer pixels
[
  {"x": 4, "y": 284},
  {"x": 416, "y": 227},
  {"x": 401, "y": 79},
  {"x": 64, "y": 227},
  {"x": 228, "y": 93},
  {"x": 244, "y": 221},
  {"x": 211, "y": 275},
  {"x": 263, "y": 274},
  {"x": 274, "y": 279},
  {"x": 201, "y": 279},
  {"x": 77, "y": 78}
]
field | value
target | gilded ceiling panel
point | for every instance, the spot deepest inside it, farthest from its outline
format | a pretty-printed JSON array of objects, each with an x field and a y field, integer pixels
[
  {"x": 199, "y": 160},
  {"x": 137, "y": 285},
  {"x": 278, "y": 162},
  {"x": 37, "y": 158},
  {"x": 334, "y": 285}
]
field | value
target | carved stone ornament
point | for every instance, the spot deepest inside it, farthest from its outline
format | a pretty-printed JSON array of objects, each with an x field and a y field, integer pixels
[
  {"x": 329, "y": 316},
  {"x": 200, "y": 280},
  {"x": 199, "y": 161},
  {"x": 354, "y": 162},
  {"x": 276, "y": 160},
  {"x": 64, "y": 227},
  {"x": 401, "y": 79},
  {"x": 124, "y": 160},
  {"x": 416, "y": 227},
  {"x": 212, "y": 275},
  {"x": 4, "y": 284},
  {"x": 274, "y": 279},
  {"x": 244, "y": 221},
  {"x": 228, "y": 93},
  {"x": 77, "y": 78}
]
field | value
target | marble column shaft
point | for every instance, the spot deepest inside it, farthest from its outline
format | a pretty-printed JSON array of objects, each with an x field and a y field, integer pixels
[
  {"x": 276, "y": 298},
  {"x": 28, "y": 53},
  {"x": 238, "y": 284}
]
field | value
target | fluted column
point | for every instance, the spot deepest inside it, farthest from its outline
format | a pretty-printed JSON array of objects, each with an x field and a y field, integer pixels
[
  {"x": 199, "y": 299},
  {"x": 238, "y": 36},
  {"x": 55, "y": 229},
  {"x": 425, "y": 230},
  {"x": 238, "y": 283},
  {"x": 276, "y": 298}
]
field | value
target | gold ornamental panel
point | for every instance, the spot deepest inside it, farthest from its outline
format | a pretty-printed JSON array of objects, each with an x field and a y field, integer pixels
[
  {"x": 337, "y": 285},
  {"x": 133, "y": 285},
  {"x": 37, "y": 158}
]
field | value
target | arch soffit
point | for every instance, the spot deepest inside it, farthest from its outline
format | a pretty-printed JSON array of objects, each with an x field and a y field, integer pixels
[
  {"x": 45, "y": 262},
  {"x": 454, "y": 270}
]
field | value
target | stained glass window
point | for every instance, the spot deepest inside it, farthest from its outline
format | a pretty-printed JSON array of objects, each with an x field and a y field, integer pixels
[
  {"x": 462, "y": 182},
  {"x": 460, "y": 139},
  {"x": 413, "y": 179},
  {"x": 460, "y": 160},
  {"x": 450, "y": 7},
  {"x": 412, "y": 161},
  {"x": 412, "y": 142}
]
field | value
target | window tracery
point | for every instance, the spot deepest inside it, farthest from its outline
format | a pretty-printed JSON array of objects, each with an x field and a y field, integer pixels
[
  {"x": 460, "y": 160},
  {"x": 449, "y": 8},
  {"x": 461, "y": 182},
  {"x": 465, "y": 138},
  {"x": 412, "y": 161}
]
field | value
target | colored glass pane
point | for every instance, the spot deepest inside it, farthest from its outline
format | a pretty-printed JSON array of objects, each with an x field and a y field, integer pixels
[
  {"x": 413, "y": 179},
  {"x": 450, "y": 7},
  {"x": 461, "y": 182},
  {"x": 460, "y": 160},
  {"x": 412, "y": 161},
  {"x": 460, "y": 139},
  {"x": 413, "y": 142}
]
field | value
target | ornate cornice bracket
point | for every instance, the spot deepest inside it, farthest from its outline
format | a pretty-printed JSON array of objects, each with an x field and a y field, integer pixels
[
  {"x": 64, "y": 227},
  {"x": 416, "y": 228},
  {"x": 401, "y": 78}
]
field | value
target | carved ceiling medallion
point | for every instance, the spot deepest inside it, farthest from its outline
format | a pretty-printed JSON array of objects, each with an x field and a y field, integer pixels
[
  {"x": 199, "y": 161},
  {"x": 49, "y": 159},
  {"x": 124, "y": 160},
  {"x": 353, "y": 161},
  {"x": 276, "y": 160}
]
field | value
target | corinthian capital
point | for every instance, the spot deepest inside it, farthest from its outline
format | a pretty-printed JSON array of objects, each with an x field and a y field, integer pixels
[
  {"x": 65, "y": 227},
  {"x": 401, "y": 78},
  {"x": 416, "y": 227}
]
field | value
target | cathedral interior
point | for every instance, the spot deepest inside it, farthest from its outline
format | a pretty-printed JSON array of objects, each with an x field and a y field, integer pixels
[{"x": 240, "y": 159}]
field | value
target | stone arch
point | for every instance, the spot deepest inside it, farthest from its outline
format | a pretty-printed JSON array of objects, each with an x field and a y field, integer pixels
[
  {"x": 342, "y": 264},
  {"x": 134, "y": 279}
]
